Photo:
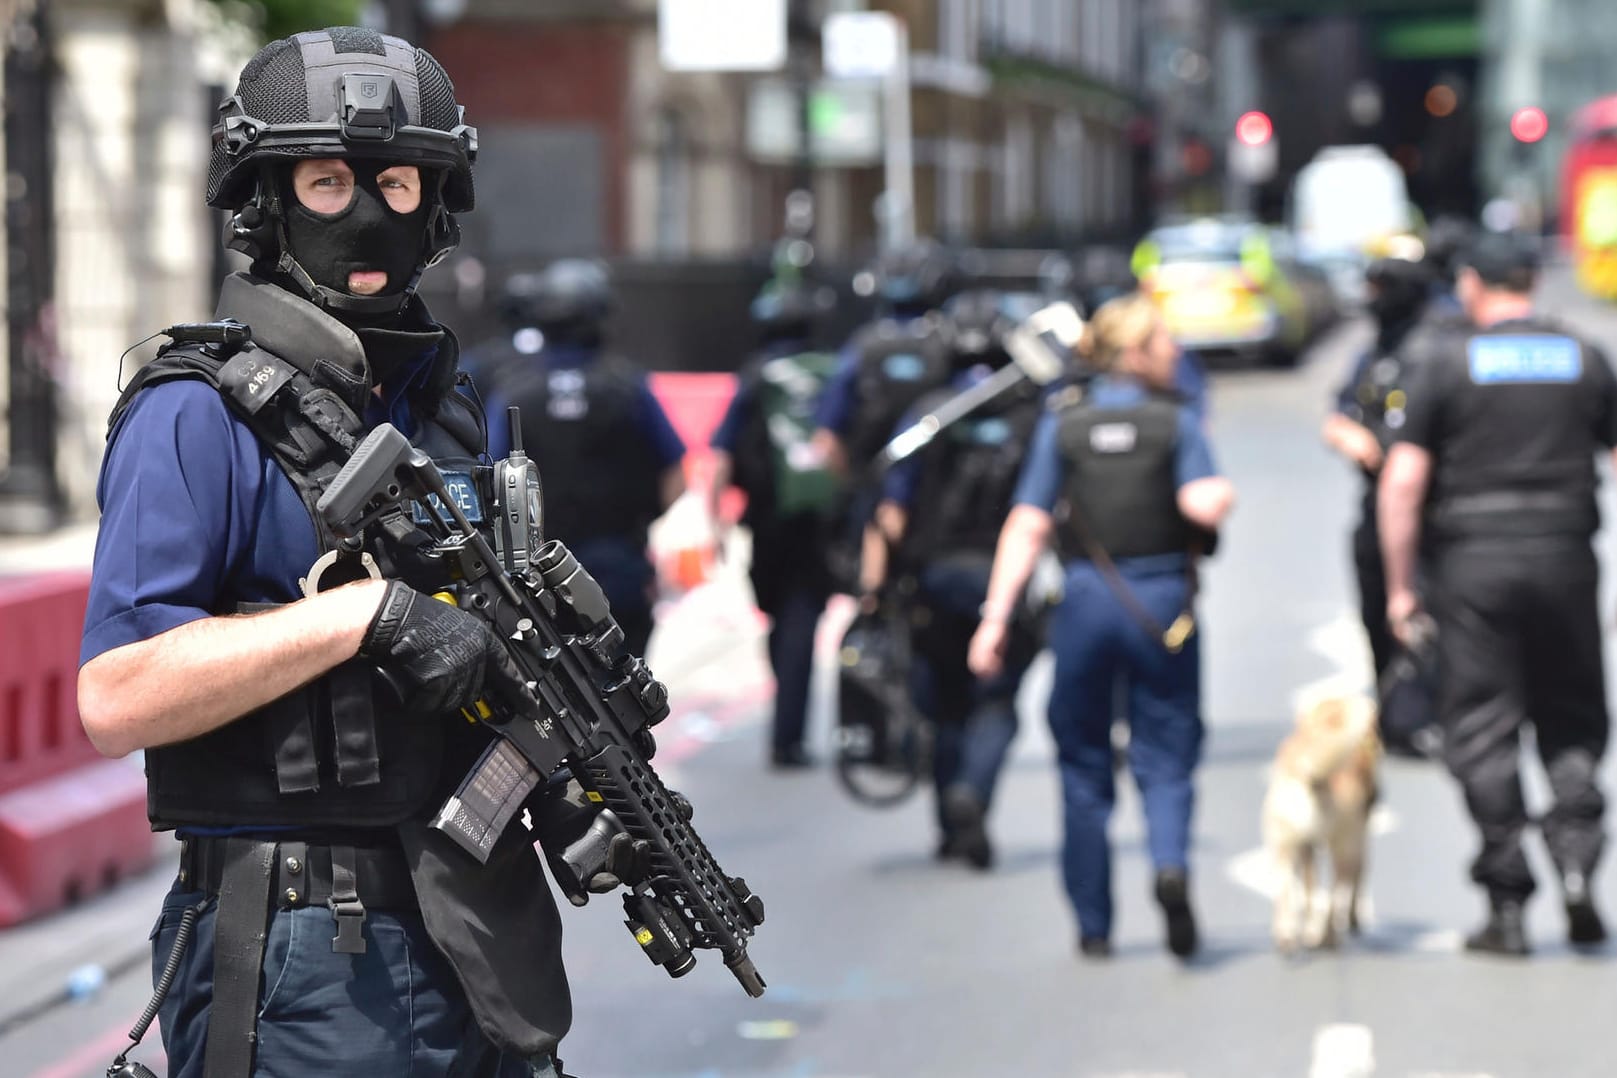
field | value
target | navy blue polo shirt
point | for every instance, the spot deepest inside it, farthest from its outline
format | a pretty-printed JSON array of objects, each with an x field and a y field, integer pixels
[
  {"x": 1045, "y": 470},
  {"x": 197, "y": 516},
  {"x": 667, "y": 448}
]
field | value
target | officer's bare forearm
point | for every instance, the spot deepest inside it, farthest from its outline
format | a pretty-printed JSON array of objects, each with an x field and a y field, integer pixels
[
  {"x": 1021, "y": 540},
  {"x": 723, "y": 472},
  {"x": 880, "y": 536},
  {"x": 1399, "y": 495},
  {"x": 1352, "y": 440},
  {"x": 1206, "y": 502},
  {"x": 671, "y": 484},
  {"x": 201, "y": 675}
]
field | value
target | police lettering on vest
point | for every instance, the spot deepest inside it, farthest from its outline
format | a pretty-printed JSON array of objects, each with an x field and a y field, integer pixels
[
  {"x": 1120, "y": 489},
  {"x": 1510, "y": 412}
]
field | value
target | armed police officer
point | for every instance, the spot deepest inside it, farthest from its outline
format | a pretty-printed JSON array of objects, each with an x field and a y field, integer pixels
[
  {"x": 612, "y": 461},
  {"x": 1121, "y": 475},
  {"x": 937, "y": 524},
  {"x": 317, "y": 925},
  {"x": 1370, "y": 408},
  {"x": 1492, "y": 477},
  {"x": 884, "y": 369}
]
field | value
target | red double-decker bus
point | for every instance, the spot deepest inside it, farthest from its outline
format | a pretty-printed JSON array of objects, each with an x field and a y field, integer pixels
[{"x": 1589, "y": 197}]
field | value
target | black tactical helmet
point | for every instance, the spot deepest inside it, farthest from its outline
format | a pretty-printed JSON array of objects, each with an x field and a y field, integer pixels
[
  {"x": 342, "y": 92},
  {"x": 920, "y": 274},
  {"x": 789, "y": 311},
  {"x": 1399, "y": 288},
  {"x": 978, "y": 324},
  {"x": 566, "y": 292}
]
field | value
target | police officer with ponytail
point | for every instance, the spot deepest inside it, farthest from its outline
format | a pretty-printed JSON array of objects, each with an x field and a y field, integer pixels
[
  {"x": 317, "y": 925},
  {"x": 1121, "y": 478}
]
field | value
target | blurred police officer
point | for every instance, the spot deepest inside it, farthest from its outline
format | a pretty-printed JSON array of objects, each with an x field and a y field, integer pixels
[
  {"x": 1492, "y": 475},
  {"x": 329, "y": 929},
  {"x": 940, "y": 516},
  {"x": 1369, "y": 410},
  {"x": 1120, "y": 473},
  {"x": 885, "y": 368},
  {"x": 764, "y": 446},
  {"x": 611, "y": 460}
]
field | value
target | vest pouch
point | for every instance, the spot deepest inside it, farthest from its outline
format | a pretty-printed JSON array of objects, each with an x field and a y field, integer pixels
[{"x": 497, "y": 925}]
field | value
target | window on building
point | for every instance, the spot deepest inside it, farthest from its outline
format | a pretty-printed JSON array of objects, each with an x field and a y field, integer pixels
[
  {"x": 955, "y": 19},
  {"x": 673, "y": 184}
]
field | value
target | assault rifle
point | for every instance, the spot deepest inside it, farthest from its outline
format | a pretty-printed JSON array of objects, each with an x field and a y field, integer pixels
[{"x": 593, "y": 712}]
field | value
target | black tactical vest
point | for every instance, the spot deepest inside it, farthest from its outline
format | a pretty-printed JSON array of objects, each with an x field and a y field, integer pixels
[
  {"x": 341, "y": 751},
  {"x": 1524, "y": 407},
  {"x": 580, "y": 424},
  {"x": 898, "y": 365},
  {"x": 968, "y": 477},
  {"x": 1121, "y": 490}
]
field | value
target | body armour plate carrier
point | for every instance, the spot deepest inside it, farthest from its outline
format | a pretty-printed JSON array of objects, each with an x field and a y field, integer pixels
[
  {"x": 1120, "y": 480},
  {"x": 898, "y": 365},
  {"x": 969, "y": 475},
  {"x": 319, "y": 756},
  {"x": 580, "y": 424}
]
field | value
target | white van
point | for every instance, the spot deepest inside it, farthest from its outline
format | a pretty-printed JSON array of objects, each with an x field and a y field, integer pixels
[{"x": 1344, "y": 201}]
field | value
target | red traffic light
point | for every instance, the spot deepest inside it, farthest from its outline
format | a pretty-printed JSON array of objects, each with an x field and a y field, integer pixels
[
  {"x": 1254, "y": 128},
  {"x": 1529, "y": 124}
]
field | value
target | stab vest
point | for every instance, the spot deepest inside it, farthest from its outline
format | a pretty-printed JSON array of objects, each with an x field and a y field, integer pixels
[
  {"x": 968, "y": 477},
  {"x": 320, "y": 756},
  {"x": 1120, "y": 490},
  {"x": 582, "y": 425},
  {"x": 898, "y": 365}
]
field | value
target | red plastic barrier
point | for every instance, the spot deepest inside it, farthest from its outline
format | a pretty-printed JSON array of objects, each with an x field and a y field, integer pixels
[{"x": 70, "y": 821}]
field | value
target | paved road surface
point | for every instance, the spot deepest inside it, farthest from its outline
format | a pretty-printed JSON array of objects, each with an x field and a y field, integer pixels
[{"x": 882, "y": 963}]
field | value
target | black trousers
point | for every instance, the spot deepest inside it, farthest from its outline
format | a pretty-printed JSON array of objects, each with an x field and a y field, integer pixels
[
  {"x": 1519, "y": 643},
  {"x": 1372, "y": 578}
]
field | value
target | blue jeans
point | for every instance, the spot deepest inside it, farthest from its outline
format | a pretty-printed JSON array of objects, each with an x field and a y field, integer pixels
[
  {"x": 396, "y": 1009},
  {"x": 1098, "y": 646}
]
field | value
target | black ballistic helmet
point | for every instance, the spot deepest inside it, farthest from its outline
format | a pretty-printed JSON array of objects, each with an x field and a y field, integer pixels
[
  {"x": 978, "y": 325},
  {"x": 342, "y": 92},
  {"x": 569, "y": 297},
  {"x": 1399, "y": 288},
  {"x": 789, "y": 311},
  {"x": 920, "y": 274}
]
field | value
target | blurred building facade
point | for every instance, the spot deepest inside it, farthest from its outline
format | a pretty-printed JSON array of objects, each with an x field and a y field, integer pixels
[
  {"x": 113, "y": 239},
  {"x": 1023, "y": 116}
]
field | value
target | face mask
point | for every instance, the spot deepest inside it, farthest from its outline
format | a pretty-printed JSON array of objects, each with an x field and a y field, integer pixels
[{"x": 367, "y": 234}]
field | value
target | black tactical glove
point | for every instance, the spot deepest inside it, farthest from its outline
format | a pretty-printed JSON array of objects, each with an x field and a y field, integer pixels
[{"x": 445, "y": 657}]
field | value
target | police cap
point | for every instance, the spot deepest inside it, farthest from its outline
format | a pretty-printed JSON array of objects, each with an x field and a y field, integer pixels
[{"x": 1507, "y": 260}]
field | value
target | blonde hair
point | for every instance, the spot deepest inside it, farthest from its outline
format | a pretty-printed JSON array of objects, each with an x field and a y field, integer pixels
[{"x": 1120, "y": 324}]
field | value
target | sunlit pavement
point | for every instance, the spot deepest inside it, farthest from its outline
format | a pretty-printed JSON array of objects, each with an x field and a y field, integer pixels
[{"x": 881, "y": 962}]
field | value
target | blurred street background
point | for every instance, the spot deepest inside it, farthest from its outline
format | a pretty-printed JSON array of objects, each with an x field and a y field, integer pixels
[{"x": 695, "y": 145}]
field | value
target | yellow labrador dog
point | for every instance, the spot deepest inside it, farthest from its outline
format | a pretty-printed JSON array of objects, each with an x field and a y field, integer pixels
[{"x": 1320, "y": 795}]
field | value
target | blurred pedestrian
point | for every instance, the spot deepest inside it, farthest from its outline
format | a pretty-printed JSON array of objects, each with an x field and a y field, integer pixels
[
  {"x": 1371, "y": 407},
  {"x": 885, "y": 367},
  {"x": 936, "y": 526},
  {"x": 1492, "y": 476},
  {"x": 1121, "y": 476},
  {"x": 511, "y": 348},
  {"x": 764, "y": 446},
  {"x": 611, "y": 460}
]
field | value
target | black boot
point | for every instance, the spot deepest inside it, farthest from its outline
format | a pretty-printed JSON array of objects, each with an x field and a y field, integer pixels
[
  {"x": 1584, "y": 927},
  {"x": 1504, "y": 932},
  {"x": 1173, "y": 895},
  {"x": 968, "y": 827}
]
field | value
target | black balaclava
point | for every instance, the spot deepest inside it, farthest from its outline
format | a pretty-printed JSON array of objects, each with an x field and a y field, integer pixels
[{"x": 367, "y": 234}]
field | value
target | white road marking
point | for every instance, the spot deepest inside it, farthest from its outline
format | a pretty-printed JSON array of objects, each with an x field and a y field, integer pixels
[{"x": 1343, "y": 1051}]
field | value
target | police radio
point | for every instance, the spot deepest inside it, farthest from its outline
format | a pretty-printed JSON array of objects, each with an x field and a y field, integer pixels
[{"x": 519, "y": 501}]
